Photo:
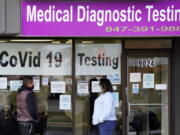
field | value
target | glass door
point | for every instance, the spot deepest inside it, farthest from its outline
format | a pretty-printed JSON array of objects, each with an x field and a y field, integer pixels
[{"x": 147, "y": 94}]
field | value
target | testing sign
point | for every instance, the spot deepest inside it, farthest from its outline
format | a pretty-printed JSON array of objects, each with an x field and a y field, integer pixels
[{"x": 55, "y": 18}]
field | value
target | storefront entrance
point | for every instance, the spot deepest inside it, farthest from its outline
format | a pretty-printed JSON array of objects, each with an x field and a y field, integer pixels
[
  {"x": 147, "y": 93},
  {"x": 66, "y": 75}
]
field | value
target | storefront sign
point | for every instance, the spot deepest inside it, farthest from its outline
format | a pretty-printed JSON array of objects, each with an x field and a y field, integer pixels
[
  {"x": 54, "y": 18},
  {"x": 98, "y": 59},
  {"x": 35, "y": 59}
]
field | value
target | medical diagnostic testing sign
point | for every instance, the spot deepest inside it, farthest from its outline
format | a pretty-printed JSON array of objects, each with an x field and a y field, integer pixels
[{"x": 54, "y": 18}]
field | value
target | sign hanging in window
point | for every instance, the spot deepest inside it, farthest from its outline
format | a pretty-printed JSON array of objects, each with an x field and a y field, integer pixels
[{"x": 35, "y": 59}]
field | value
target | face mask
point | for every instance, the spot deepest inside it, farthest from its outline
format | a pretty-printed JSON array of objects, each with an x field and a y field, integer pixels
[{"x": 32, "y": 87}]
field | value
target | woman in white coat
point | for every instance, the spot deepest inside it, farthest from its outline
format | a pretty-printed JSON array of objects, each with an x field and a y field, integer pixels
[{"x": 104, "y": 109}]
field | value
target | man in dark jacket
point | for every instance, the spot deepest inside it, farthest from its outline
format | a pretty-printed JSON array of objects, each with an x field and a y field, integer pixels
[{"x": 26, "y": 107}]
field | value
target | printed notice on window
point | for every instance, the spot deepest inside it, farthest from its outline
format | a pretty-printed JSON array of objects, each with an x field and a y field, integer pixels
[
  {"x": 58, "y": 87},
  {"x": 135, "y": 77},
  {"x": 116, "y": 98},
  {"x": 83, "y": 88},
  {"x": 135, "y": 88},
  {"x": 115, "y": 78},
  {"x": 161, "y": 87},
  {"x": 36, "y": 84},
  {"x": 148, "y": 81},
  {"x": 95, "y": 87},
  {"x": 3, "y": 82},
  {"x": 45, "y": 81},
  {"x": 15, "y": 85},
  {"x": 65, "y": 102}
]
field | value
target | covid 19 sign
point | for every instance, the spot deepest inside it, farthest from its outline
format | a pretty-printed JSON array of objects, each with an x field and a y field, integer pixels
[{"x": 36, "y": 59}]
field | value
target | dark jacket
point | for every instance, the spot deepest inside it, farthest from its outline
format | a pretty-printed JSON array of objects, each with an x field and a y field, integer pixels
[{"x": 26, "y": 105}]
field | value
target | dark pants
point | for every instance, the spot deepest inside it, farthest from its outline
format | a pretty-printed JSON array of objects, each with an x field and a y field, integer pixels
[
  {"x": 26, "y": 128},
  {"x": 107, "y": 127}
]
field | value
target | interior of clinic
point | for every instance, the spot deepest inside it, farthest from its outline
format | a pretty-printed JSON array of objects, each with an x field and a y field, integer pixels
[{"x": 66, "y": 74}]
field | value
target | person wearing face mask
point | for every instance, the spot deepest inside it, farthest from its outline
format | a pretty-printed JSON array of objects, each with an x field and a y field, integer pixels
[
  {"x": 26, "y": 104},
  {"x": 104, "y": 109}
]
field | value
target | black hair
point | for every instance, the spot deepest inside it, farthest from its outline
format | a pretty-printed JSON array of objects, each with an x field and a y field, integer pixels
[
  {"x": 106, "y": 85},
  {"x": 27, "y": 79}
]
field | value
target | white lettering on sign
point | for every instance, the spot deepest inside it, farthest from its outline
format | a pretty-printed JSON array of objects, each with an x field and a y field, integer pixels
[
  {"x": 86, "y": 13},
  {"x": 35, "y": 59},
  {"x": 49, "y": 15},
  {"x": 169, "y": 14}
]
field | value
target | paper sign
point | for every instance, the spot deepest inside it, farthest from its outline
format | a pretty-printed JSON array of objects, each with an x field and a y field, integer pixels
[
  {"x": 65, "y": 102},
  {"x": 114, "y": 87},
  {"x": 115, "y": 79},
  {"x": 3, "y": 82},
  {"x": 82, "y": 88},
  {"x": 15, "y": 85},
  {"x": 58, "y": 87},
  {"x": 116, "y": 98},
  {"x": 99, "y": 59},
  {"x": 37, "y": 59},
  {"x": 135, "y": 77},
  {"x": 45, "y": 81},
  {"x": 161, "y": 86},
  {"x": 148, "y": 81},
  {"x": 36, "y": 84},
  {"x": 95, "y": 87},
  {"x": 135, "y": 88}
]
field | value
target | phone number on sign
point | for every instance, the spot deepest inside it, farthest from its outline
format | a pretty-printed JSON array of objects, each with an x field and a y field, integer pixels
[{"x": 142, "y": 29}]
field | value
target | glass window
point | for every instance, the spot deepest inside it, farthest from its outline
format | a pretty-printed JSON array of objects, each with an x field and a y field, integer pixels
[
  {"x": 50, "y": 64},
  {"x": 96, "y": 59}
]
